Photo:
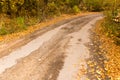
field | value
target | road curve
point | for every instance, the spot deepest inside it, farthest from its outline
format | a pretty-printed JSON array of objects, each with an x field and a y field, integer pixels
[{"x": 54, "y": 53}]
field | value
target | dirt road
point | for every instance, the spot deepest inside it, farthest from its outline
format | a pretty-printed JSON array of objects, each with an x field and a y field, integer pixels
[{"x": 57, "y": 52}]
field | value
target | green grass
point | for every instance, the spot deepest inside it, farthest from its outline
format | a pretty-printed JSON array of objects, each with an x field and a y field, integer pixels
[{"x": 14, "y": 25}]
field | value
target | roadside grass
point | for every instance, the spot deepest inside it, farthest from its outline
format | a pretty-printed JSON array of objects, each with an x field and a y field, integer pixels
[
  {"x": 10, "y": 26},
  {"x": 107, "y": 35}
]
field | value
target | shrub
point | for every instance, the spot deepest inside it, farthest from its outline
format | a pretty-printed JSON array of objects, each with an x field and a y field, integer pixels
[
  {"x": 20, "y": 23},
  {"x": 112, "y": 30},
  {"x": 15, "y": 25},
  {"x": 111, "y": 27},
  {"x": 76, "y": 9},
  {"x": 53, "y": 9},
  {"x": 3, "y": 31}
]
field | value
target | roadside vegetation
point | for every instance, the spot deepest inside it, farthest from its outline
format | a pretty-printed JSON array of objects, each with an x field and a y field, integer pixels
[
  {"x": 108, "y": 30},
  {"x": 111, "y": 29},
  {"x": 17, "y": 15},
  {"x": 111, "y": 23}
]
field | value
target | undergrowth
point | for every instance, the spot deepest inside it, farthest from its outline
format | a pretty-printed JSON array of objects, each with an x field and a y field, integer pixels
[
  {"x": 9, "y": 26},
  {"x": 112, "y": 30}
]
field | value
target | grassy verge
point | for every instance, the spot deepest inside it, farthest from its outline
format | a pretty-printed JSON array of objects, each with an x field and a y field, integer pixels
[
  {"x": 14, "y": 25},
  {"x": 113, "y": 50}
]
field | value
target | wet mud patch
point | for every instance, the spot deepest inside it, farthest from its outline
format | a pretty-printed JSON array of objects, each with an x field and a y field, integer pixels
[{"x": 96, "y": 63}]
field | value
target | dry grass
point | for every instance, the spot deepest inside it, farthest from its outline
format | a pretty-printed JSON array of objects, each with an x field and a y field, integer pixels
[{"x": 113, "y": 53}]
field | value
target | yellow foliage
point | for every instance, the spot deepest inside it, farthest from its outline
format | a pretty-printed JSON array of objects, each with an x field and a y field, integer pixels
[{"x": 113, "y": 54}]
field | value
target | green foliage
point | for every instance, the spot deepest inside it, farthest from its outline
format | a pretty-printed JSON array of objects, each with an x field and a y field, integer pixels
[
  {"x": 20, "y": 11},
  {"x": 11, "y": 7},
  {"x": 53, "y": 9},
  {"x": 76, "y": 9},
  {"x": 112, "y": 30},
  {"x": 111, "y": 27},
  {"x": 72, "y": 3},
  {"x": 3, "y": 31},
  {"x": 21, "y": 23},
  {"x": 94, "y": 5},
  {"x": 38, "y": 8},
  {"x": 15, "y": 25}
]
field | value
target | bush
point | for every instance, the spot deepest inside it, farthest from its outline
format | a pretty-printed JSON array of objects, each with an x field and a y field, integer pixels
[
  {"x": 15, "y": 25},
  {"x": 76, "y": 9},
  {"x": 93, "y": 5},
  {"x": 112, "y": 30},
  {"x": 3, "y": 31},
  {"x": 20, "y": 23},
  {"x": 111, "y": 26},
  {"x": 53, "y": 9}
]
